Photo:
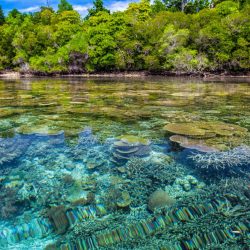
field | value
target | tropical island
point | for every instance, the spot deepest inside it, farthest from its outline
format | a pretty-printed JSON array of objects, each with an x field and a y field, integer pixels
[
  {"x": 124, "y": 163},
  {"x": 163, "y": 37}
]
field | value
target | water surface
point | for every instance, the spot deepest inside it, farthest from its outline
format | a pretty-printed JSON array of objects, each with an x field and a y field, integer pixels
[{"x": 91, "y": 164}]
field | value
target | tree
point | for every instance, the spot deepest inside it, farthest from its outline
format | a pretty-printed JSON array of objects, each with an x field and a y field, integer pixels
[
  {"x": 64, "y": 6},
  {"x": 240, "y": 3},
  {"x": 141, "y": 10},
  {"x": 146, "y": 36},
  {"x": 14, "y": 13},
  {"x": 98, "y": 6},
  {"x": 158, "y": 6},
  {"x": 2, "y": 18},
  {"x": 187, "y": 6}
]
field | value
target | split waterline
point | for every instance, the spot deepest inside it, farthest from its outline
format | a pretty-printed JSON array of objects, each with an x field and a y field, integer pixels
[{"x": 144, "y": 163}]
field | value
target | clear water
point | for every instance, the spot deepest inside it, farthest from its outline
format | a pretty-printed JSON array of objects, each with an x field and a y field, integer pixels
[{"x": 90, "y": 164}]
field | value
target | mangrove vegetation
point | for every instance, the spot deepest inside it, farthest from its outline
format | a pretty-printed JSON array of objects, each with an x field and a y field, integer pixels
[{"x": 164, "y": 36}]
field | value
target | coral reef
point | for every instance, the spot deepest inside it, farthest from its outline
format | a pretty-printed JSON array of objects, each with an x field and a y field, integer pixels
[
  {"x": 222, "y": 160},
  {"x": 124, "y": 201},
  {"x": 36, "y": 228},
  {"x": 59, "y": 218},
  {"x": 206, "y": 136},
  {"x": 205, "y": 129},
  {"x": 159, "y": 199},
  {"x": 12, "y": 148},
  {"x": 95, "y": 159},
  {"x": 86, "y": 138},
  {"x": 144, "y": 176},
  {"x": 8, "y": 205},
  {"x": 152, "y": 226},
  {"x": 191, "y": 143},
  {"x": 184, "y": 186},
  {"x": 126, "y": 147},
  {"x": 78, "y": 178}
]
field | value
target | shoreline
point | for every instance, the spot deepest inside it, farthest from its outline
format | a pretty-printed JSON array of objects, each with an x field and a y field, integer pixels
[{"x": 133, "y": 74}]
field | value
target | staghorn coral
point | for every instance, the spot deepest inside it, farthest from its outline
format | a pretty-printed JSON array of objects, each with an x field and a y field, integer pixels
[
  {"x": 221, "y": 160},
  {"x": 148, "y": 175},
  {"x": 135, "y": 167},
  {"x": 87, "y": 138},
  {"x": 159, "y": 172}
]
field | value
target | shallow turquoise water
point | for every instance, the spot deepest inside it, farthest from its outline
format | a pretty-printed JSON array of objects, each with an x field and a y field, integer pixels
[{"x": 124, "y": 164}]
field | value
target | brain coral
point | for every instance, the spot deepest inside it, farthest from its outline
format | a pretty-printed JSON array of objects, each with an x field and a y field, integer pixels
[{"x": 159, "y": 199}]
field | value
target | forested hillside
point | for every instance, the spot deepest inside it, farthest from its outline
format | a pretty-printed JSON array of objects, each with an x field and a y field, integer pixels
[{"x": 166, "y": 36}]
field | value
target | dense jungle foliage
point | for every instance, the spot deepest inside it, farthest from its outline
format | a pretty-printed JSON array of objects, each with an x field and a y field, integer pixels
[{"x": 189, "y": 36}]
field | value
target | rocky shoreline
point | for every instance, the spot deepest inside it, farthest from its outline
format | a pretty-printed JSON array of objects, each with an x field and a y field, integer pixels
[{"x": 127, "y": 74}]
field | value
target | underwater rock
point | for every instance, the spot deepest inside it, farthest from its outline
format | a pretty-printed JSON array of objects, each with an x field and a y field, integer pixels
[
  {"x": 159, "y": 199},
  {"x": 90, "y": 199},
  {"x": 128, "y": 146}
]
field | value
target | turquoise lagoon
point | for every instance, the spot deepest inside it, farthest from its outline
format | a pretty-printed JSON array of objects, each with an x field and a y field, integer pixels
[{"x": 152, "y": 163}]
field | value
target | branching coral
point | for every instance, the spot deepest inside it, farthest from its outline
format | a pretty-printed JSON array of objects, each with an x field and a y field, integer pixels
[
  {"x": 86, "y": 138},
  {"x": 148, "y": 175},
  {"x": 221, "y": 160},
  {"x": 12, "y": 148}
]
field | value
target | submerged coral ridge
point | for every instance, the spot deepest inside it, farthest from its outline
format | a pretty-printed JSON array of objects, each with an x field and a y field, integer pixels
[
  {"x": 37, "y": 228},
  {"x": 159, "y": 223},
  {"x": 42, "y": 227},
  {"x": 80, "y": 213}
]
